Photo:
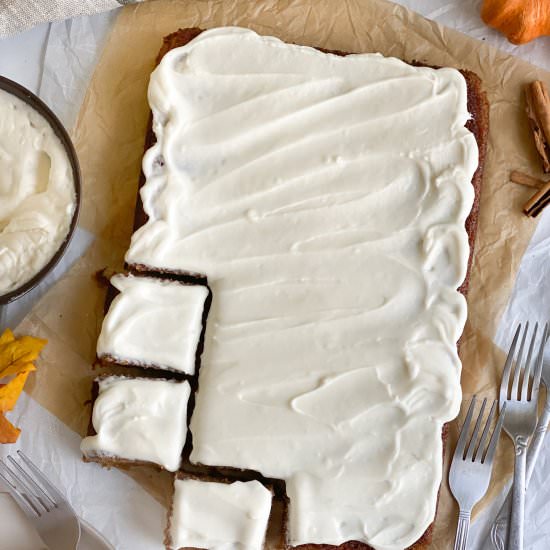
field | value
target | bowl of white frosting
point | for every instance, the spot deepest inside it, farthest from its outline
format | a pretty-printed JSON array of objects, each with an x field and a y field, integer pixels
[{"x": 39, "y": 190}]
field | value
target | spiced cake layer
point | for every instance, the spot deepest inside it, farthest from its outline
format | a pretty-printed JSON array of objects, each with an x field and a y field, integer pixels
[{"x": 328, "y": 202}]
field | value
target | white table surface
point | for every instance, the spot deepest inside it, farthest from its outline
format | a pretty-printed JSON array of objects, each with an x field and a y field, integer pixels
[{"x": 55, "y": 61}]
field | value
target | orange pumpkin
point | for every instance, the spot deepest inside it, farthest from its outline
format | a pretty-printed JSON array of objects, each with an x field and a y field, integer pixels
[{"x": 519, "y": 20}]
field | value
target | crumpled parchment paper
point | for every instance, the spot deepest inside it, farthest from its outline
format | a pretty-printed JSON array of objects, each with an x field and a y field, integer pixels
[{"x": 109, "y": 139}]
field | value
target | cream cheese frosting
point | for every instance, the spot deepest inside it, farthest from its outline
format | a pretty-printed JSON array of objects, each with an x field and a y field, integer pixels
[
  {"x": 325, "y": 199},
  {"x": 139, "y": 419},
  {"x": 153, "y": 322},
  {"x": 37, "y": 195},
  {"x": 219, "y": 516}
]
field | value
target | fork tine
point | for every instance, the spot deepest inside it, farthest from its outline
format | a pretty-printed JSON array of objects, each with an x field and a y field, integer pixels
[
  {"x": 33, "y": 485},
  {"x": 26, "y": 487},
  {"x": 538, "y": 369},
  {"x": 481, "y": 447},
  {"x": 490, "y": 454},
  {"x": 507, "y": 367},
  {"x": 42, "y": 479},
  {"x": 473, "y": 440},
  {"x": 459, "y": 451},
  {"x": 25, "y": 504},
  {"x": 519, "y": 366},
  {"x": 528, "y": 365},
  {"x": 21, "y": 488}
]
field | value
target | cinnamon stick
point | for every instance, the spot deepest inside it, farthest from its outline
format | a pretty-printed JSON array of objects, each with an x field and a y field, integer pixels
[
  {"x": 525, "y": 179},
  {"x": 538, "y": 111},
  {"x": 536, "y": 204}
]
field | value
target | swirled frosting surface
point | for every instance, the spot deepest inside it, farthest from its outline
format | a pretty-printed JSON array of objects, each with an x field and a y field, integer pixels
[{"x": 325, "y": 199}]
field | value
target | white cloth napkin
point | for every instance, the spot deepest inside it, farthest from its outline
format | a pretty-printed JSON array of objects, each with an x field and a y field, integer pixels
[{"x": 19, "y": 15}]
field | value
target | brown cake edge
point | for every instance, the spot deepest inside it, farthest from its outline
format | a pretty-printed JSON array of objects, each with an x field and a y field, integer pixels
[{"x": 478, "y": 124}]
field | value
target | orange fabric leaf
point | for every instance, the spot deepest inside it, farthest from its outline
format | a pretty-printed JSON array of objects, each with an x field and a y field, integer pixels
[
  {"x": 18, "y": 350},
  {"x": 16, "y": 356},
  {"x": 17, "y": 368},
  {"x": 8, "y": 432},
  {"x": 7, "y": 336},
  {"x": 11, "y": 391}
]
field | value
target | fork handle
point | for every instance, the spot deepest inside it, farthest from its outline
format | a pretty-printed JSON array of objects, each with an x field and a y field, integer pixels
[
  {"x": 515, "y": 536},
  {"x": 462, "y": 529},
  {"x": 536, "y": 442},
  {"x": 499, "y": 529}
]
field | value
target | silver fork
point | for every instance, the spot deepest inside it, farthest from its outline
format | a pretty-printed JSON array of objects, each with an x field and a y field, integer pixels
[
  {"x": 499, "y": 529},
  {"x": 521, "y": 418},
  {"x": 44, "y": 505},
  {"x": 470, "y": 471}
]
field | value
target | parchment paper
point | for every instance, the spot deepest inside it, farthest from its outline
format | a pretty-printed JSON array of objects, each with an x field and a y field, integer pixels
[{"x": 109, "y": 139}]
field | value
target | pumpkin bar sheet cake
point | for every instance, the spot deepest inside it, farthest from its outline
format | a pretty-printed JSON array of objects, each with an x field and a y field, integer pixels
[{"x": 326, "y": 199}]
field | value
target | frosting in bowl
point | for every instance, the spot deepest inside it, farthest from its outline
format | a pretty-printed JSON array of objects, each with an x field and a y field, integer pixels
[{"x": 37, "y": 193}]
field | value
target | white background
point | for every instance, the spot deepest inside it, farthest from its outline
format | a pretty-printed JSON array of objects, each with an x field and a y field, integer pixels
[{"x": 56, "y": 60}]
